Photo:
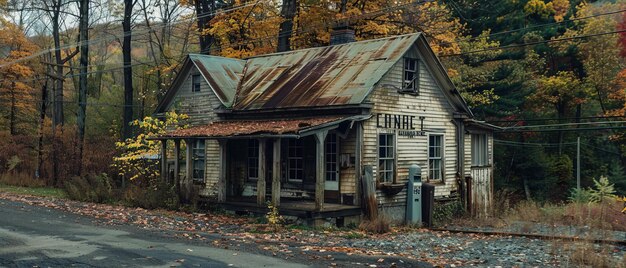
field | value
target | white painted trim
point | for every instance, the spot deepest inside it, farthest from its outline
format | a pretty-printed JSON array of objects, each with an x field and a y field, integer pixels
[{"x": 443, "y": 156}]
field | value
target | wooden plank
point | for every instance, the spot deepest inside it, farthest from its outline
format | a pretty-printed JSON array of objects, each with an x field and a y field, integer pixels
[
  {"x": 176, "y": 161},
  {"x": 369, "y": 193},
  {"x": 357, "y": 162},
  {"x": 164, "y": 160},
  {"x": 320, "y": 177},
  {"x": 260, "y": 191},
  {"x": 186, "y": 183},
  {"x": 276, "y": 171}
]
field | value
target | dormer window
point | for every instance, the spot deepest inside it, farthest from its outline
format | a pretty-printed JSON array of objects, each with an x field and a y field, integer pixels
[
  {"x": 411, "y": 76},
  {"x": 195, "y": 83}
]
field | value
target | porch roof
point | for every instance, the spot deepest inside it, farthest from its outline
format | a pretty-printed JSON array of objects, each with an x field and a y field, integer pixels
[{"x": 260, "y": 128}]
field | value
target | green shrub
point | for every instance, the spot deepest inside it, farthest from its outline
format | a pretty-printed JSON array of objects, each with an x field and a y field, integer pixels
[
  {"x": 91, "y": 188},
  {"x": 445, "y": 212},
  {"x": 155, "y": 194},
  {"x": 580, "y": 196}
]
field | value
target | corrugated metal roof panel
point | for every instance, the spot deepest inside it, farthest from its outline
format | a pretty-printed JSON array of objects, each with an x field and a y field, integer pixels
[
  {"x": 334, "y": 75},
  {"x": 251, "y": 127},
  {"x": 222, "y": 74}
]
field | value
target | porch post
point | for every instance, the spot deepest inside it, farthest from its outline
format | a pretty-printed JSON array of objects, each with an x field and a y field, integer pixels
[
  {"x": 276, "y": 172},
  {"x": 176, "y": 161},
  {"x": 186, "y": 183},
  {"x": 357, "y": 162},
  {"x": 164, "y": 160},
  {"x": 260, "y": 183},
  {"x": 221, "y": 185},
  {"x": 320, "y": 178}
]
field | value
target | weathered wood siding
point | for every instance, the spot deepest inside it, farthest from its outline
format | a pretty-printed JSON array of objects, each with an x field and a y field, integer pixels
[
  {"x": 482, "y": 182},
  {"x": 482, "y": 194},
  {"x": 200, "y": 108},
  {"x": 431, "y": 103},
  {"x": 347, "y": 175}
]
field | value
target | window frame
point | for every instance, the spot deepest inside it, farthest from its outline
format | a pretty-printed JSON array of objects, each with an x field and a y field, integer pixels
[
  {"x": 196, "y": 83},
  {"x": 253, "y": 159},
  {"x": 384, "y": 161},
  {"x": 412, "y": 85},
  {"x": 480, "y": 150},
  {"x": 295, "y": 145},
  {"x": 197, "y": 158},
  {"x": 440, "y": 159},
  {"x": 331, "y": 142}
]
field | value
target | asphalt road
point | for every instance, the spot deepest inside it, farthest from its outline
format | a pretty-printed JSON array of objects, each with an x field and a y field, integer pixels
[{"x": 33, "y": 236}]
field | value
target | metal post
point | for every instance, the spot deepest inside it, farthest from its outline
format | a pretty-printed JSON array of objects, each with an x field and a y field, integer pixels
[{"x": 578, "y": 163}]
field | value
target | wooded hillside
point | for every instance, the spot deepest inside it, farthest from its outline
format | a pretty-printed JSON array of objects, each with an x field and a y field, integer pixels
[{"x": 548, "y": 71}]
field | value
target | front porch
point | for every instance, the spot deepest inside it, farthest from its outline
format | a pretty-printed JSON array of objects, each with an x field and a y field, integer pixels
[
  {"x": 306, "y": 168},
  {"x": 303, "y": 209}
]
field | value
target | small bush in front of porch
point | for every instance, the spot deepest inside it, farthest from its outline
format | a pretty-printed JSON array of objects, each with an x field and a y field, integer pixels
[
  {"x": 151, "y": 194},
  {"x": 273, "y": 217}
]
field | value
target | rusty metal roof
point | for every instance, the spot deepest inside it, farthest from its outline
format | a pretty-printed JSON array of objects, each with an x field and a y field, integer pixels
[
  {"x": 333, "y": 75},
  {"x": 253, "y": 127},
  {"x": 222, "y": 74}
]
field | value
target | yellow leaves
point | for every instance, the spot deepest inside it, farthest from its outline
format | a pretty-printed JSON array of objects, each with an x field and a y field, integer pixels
[
  {"x": 560, "y": 9},
  {"x": 538, "y": 8},
  {"x": 138, "y": 154}
]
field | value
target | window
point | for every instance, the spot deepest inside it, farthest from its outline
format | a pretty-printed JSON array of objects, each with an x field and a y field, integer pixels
[
  {"x": 386, "y": 157},
  {"x": 479, "y": 150},
  {"x": 331, "y": 157},
  {"x": 295, "y": 160},
  {"x": 195, "y": 80},
  {"x": 435, "y": 157},
  {"x": 198, "y": 157},
  {"x": 253, "y": 159},
  {"x": 411, "y": 76}
]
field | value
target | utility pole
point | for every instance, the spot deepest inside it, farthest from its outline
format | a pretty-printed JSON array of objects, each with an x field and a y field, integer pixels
[
  {"x": 578, "y": 163},
  {"x": 83, "y": 28}
]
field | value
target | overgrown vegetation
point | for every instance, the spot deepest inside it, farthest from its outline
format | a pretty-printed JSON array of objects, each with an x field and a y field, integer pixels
[
  {"x": 379, "y": 225},
  {"x": 91, "y": 188},
  {"x": 443, "y": 213}
]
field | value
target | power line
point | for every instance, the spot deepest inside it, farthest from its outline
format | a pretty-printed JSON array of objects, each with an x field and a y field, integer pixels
[
  {"x": 548, "y": 24},
  {"x": 568, "y": 124},
  {"x": 310, "y": 29},
  {"x": 129, "y": 33},
  {"x": 554, "y": 119},
  {"x": 535, "y": 43},
  {"x": 505, "y": 130}
]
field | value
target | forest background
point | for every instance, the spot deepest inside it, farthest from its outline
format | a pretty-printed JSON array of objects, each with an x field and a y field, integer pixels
[{"x": 74, "y": 74}]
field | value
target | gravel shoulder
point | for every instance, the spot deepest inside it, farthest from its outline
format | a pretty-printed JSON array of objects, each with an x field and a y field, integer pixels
[{"x": 328, "y": 248}]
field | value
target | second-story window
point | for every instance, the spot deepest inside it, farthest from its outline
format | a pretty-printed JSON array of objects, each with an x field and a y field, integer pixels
[
  {"x": 195, "y": 83},
  {"x": 411, "y": 76}
]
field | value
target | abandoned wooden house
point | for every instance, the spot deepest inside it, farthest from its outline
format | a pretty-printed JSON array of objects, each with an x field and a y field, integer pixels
[{"x": 298, "y": 128}]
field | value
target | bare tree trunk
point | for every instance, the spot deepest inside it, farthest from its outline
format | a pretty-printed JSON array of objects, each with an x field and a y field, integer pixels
[
  {"x": 58, "y": 118},
  {"x": 12, "y": 113},
  {"x": 128, "y": 69},
  {"x": 42, "y": 117},
  {"x": 82, "y": 83},
  {"x": 285, "y": 32},
  {"x": 204, "y": 10}
]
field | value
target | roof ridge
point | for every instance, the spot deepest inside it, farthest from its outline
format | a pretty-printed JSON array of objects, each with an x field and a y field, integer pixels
[{"x": 324, "y": 47}]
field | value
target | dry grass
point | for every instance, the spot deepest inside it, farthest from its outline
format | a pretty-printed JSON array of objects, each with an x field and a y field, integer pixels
[
  {"x": 606, "y": 215},
  {"x": 21, "y": 179},
  {"x": 585, "y": 254},
  {"x": 380, "y": 225}
]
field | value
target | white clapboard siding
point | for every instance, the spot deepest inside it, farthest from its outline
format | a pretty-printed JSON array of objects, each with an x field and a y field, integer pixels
[{"x": 431, "y": 103}]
